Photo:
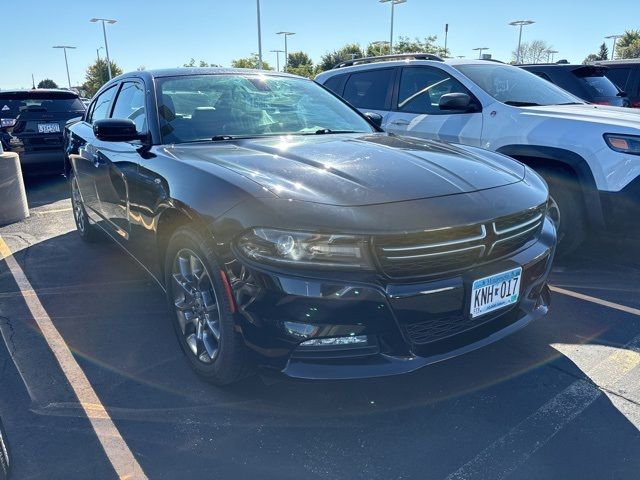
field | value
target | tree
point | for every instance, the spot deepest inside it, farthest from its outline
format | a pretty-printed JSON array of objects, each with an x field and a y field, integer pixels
[
  {"x": 533, "y": 52},
  {"x": 592, "y": 57},
  {"x": 603, "y": 54},
  {"x": 299, "y": 63},
  {"x": 200, "y": 64},
  {"x": 47, "y": 83},
  {"x": 250, "y": 62},
  {"x": 331, "y": 59},
  {"x": 98, "y": 74},
  {"x": 628, "y": 46},
  {"x": 418, "y": 45},
  {"x": 377, "y": 49}
]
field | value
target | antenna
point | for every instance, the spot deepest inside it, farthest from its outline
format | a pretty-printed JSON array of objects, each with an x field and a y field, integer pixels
[{"x": 33, "y": 82}]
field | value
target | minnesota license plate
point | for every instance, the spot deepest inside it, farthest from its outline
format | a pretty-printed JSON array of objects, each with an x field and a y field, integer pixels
[
  {"x": 495, "y": 292},
  {"x": 48, "y": 128}
]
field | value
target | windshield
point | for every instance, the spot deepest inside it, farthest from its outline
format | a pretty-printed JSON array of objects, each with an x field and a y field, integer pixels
[
  {"x": 514, "y": 86},
  {"x": 205, "y": 107}
]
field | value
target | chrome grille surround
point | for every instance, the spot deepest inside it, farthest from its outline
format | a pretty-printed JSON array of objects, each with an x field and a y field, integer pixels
[{"x": 449, "y": 249}]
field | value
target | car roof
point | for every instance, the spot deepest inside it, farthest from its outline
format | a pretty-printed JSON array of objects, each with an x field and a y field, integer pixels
[
  {"x": 191, "y": 71},
  {"x": 617, "y": 62},
  {"x": 39, "y": 91}
]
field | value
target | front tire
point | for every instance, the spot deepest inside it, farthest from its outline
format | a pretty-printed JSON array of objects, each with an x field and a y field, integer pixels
[
  {"x": 88, "y": 232},
  {"x": 566, "y": 211},
  {"x": 201, "y": 312}
]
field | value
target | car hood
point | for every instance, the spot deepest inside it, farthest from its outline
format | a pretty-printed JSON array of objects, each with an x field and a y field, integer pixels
[
  {"x": 356, "y": 169},
  {"x": 598, "y": 114}
]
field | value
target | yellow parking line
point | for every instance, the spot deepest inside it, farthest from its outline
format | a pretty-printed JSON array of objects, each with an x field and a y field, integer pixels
[
  {"x": 599, "y": 301},
  {"x": 115, "y": 447},
  {"x": 56, "y": 210}
]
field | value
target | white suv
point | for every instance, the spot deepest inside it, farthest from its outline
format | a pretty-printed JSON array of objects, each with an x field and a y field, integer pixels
[{"x": 589, "y": 154}]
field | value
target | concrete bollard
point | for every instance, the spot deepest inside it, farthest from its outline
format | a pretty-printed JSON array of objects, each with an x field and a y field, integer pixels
[{"x": 13, "y": 198}]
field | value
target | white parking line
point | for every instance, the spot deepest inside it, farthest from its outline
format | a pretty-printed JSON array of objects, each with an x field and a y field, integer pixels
[
  {"x": 116, "y": 449},
  {"x": 505, "y": 455}
]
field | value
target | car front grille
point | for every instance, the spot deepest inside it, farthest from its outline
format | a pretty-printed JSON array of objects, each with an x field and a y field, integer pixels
[
  {"x": 437, "y": 329},
  {"x": 438, "y": 251}
]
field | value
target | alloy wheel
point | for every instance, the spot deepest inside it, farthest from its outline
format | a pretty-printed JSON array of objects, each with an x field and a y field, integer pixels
[
  {"x": 78, "y": 209},
  {"x": 196, "y": 305}
]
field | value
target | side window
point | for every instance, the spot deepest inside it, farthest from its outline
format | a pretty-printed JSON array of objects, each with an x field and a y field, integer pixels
[
  {"x": 130, "y": 104},
  {"x": 100, "y": 107},
  {"x": 422, "y": 87},
  {"x": 335, "y": 84},
  {"x": 369, "y": 89},
  {"x": 542, "y": 75}
]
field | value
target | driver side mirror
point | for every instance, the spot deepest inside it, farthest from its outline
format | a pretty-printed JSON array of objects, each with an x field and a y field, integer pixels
[
  {"x": 457, "y": 101},
  {"x": 374, "y": 118},
  {"x": 116, "y": 130}
]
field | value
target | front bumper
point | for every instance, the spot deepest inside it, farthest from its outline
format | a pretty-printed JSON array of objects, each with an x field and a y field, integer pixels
[{"x": 407, "y": 325}]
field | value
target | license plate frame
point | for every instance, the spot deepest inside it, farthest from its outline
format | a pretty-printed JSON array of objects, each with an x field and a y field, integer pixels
[
  {"x": 495, "y": 292},
  {"x": 48, "y": 128}
]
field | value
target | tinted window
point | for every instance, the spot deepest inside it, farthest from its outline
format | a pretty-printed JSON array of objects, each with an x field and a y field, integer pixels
[
  {"x": 130, "y": 104},
  {"x": 334, "y": 83},
  {"x": 100, "y": 107},
  {"x": 12, "y": 104},
  {"x": 369, "y": 89},
  {"x": 421, "y": 90},
  {"x": 599, "y": 86},
  {"x": 199, "y": 107},
  {"x": 619, "y": 76},
  {"x": 515, "y": 86}
]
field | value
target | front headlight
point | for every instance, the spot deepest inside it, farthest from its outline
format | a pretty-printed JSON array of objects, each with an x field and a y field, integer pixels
[
  {"x": 623, "y": 143},
  {"x": 312, "y": 250}
]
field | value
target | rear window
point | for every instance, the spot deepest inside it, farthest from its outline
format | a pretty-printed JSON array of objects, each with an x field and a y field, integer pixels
[
  {"x": 369, "y": 89},
  {"x": 600, "y": 86},
  {"x": 12, "y": 104},
  {"x": 619, "y": 76}
]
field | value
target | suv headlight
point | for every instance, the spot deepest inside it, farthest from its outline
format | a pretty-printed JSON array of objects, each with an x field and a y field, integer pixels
[
  {"x": 312, "y": 250},
  {"x": 623, "y": 143}
]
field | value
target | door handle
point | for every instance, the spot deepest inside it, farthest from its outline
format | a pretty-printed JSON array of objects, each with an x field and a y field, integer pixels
[{"x": 400, "y": 123}]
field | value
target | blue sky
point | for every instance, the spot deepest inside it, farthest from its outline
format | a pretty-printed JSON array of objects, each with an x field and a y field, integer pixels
[{"x": 168, "y": 33}]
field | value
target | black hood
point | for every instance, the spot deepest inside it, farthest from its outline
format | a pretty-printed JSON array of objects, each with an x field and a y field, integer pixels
[{"x": 356, "y": 169}]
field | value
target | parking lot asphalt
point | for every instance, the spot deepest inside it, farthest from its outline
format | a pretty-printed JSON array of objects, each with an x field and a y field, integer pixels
[{"x": 559, "y": 399}]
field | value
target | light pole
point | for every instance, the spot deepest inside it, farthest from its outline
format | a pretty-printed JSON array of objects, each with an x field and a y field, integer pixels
[
  {"x": 393, "y": 4},
  {"x": 277, "y": 52},
  {"x": 480, "y": 50},
  {"x": 104, "y": 33},
  {"x": 286, "y": 48},
  {"x": 259, "y": 36},
  {"x": 446, "y": 37},
  {"x": 550, "y": 54},
  {"x": 615, "y": 39},
  {"x": 520, "y": 23},
  {"x": 66, "y": 62}
]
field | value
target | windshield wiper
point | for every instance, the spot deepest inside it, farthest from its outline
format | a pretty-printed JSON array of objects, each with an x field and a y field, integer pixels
[
  {"x": 326, "y": 131},
  {"x": 514, "y": 103},
  {"x": 572, "y": 103},
  {"x": 219, "y": 138}
]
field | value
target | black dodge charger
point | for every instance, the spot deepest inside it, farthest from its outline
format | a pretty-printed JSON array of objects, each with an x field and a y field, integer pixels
[{"x": 290, "y": 232}]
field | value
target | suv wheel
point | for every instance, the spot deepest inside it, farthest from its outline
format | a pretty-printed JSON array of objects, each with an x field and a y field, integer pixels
[
  {"x": 566, "y": 211},
  {"x": 201, "y": 312},
  {"x": 87, "y": 231}
]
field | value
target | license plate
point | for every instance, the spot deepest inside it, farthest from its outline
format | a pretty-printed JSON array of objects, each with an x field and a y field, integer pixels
[
  {"x": 495, "y": 292},
  {"x": 48, "y": 128}
]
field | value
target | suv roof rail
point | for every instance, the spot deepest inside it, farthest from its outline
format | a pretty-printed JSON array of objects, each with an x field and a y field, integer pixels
[{"x": 384, "y": 58}]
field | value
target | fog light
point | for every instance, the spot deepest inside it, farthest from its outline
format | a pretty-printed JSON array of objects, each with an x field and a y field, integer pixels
[{"x": 335, "y": 341}]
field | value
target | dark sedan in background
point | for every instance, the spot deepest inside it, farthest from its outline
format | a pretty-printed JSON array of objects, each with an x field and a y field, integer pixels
[
  {"x": 588, "y": 82},
  {"x": 290, "y": 232},
  {"x": 32, "y": 124}
]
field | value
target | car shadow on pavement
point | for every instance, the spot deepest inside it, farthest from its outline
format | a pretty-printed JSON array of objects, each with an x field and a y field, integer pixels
[
  {"x": 46, "y": 189},
  {"x": 114, "y": 319}
]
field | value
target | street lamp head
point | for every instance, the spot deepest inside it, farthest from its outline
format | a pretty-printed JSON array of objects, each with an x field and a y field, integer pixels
[
  {"x": 613, "y": 37},
  {"x": 520, "y": 23},
  {"x": 276, "y": 51},
  {"x": 285, "y": 33},
  {"x": 481, "y": 48},
  {"x": 63, "y": 46},
  {"x": 395, "y": 2},
  {"x": 108, "y": 20}
]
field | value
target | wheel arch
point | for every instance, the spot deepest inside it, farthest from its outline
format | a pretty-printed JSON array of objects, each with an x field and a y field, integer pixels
[{"x": 542, "y": 158}]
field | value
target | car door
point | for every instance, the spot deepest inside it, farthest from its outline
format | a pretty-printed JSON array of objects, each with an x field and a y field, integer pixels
[
  {"x": 371, "y": 90},
  {"x": 416, "y": 110},
  {"x": 115, "y": 162},
  {"x": 83, "y": 151}
]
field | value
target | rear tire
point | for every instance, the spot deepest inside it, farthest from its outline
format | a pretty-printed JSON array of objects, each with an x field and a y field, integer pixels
[
  {"x": 201, "y": 312},
  {"x": 88, "y": 232},
  {"x": 566, "y": 210}
]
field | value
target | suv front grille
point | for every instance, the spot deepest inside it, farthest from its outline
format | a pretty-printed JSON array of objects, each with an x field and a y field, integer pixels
[{"x": 449, "y": 249}]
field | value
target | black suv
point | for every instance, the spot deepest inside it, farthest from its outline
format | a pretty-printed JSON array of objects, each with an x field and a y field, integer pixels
[
  {"x": 626, "y": 75},
  {"x": 588, "y": 82},
  {"x": 32, "y": 124},
  {"x": 289, "y": 230}
]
